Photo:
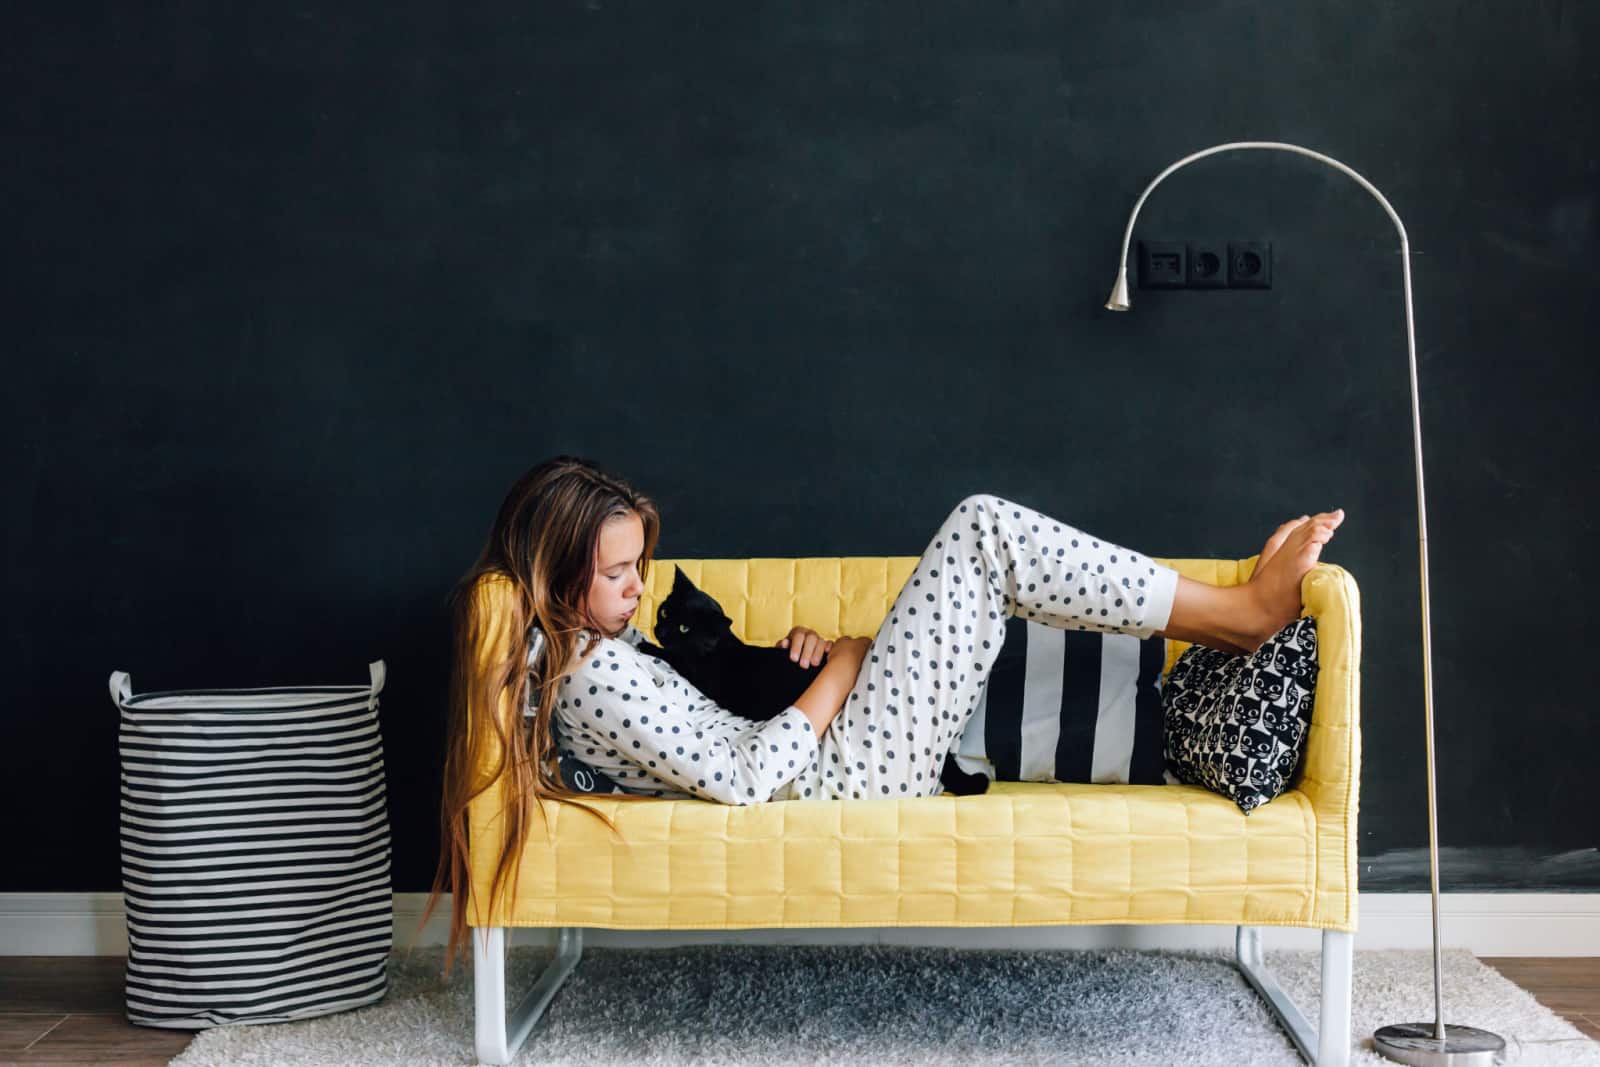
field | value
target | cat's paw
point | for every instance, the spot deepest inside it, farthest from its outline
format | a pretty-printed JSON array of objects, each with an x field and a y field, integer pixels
[{"x": 959, "y": 782}]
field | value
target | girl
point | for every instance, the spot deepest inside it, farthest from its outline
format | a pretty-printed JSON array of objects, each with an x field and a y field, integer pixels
[{"x": 879, "y": 717}]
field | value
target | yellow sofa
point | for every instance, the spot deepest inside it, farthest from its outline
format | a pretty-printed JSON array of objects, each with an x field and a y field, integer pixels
[{"x": 1022, "y": 854}]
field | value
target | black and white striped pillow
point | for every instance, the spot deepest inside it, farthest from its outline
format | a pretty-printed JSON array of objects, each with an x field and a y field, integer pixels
[
  {"x": 1069, "y": 706},
  {"x": 255, "y": 852}
]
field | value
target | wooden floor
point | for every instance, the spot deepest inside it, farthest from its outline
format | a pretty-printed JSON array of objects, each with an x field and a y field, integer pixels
[
  {"x": 1567, "y": 985},
  {"x": 68, "y": 1009}
]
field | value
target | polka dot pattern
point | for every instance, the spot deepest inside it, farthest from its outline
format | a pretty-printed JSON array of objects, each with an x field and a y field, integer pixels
[
  {"x": 636, "y": 720},
  {"x": 991, "y": 559}
]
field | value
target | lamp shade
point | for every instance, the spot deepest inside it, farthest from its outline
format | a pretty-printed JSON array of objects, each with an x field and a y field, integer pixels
[{"x": 1118, "y": 300}]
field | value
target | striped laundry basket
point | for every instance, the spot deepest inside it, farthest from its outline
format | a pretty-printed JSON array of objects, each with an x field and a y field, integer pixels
[{"x": 255, "y": 852}]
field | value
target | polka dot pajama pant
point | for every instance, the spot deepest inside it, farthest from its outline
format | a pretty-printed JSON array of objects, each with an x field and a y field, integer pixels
[{"x": 923, "y": 675}]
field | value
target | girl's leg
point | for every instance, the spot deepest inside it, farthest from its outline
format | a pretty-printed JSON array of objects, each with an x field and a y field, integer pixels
[
  {"x": 991, "y": 559},
  {"x": 1209, "y": 615},
  {"x": 924, "y": 673}
]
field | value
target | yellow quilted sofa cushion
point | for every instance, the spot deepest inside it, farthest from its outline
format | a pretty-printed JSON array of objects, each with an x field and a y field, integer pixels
[{"x": 1020, "y": 854}]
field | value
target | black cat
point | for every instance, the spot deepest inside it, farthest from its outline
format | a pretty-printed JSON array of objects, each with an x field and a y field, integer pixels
[{"x": 752, "y": 681}]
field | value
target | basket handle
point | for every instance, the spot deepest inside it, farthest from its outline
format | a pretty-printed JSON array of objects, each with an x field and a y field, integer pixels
[
  {"x": 121, "y": 688},
  {"x": 378, "y": 673}
]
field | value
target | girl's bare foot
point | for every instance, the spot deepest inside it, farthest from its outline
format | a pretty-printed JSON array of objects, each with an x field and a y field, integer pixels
[
  {"x": 1275, "y": 542},
  {"x": 1239, "y": 618},
  {"x": 1291, "y": 551}
]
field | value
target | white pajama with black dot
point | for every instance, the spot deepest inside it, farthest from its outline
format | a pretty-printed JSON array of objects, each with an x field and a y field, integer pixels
[
  {"x": 637, "y": 720},
  {"x": 923, "y": 675}
]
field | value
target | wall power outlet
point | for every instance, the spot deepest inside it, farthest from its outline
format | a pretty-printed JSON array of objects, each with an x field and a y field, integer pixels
[{"x": 1205, "y": 265}]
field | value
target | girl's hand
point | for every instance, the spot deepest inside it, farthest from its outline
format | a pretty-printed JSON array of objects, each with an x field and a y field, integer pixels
[{"x": 805, "y": 646}]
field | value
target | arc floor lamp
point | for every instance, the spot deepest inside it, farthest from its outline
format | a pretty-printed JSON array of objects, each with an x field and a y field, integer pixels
[{"x": 1435, "y": 1044}]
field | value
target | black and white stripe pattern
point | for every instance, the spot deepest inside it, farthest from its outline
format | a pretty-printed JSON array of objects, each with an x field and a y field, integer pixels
[
  {"x": 255, "y": 852},
  {"x": 1069, "y": 706}
]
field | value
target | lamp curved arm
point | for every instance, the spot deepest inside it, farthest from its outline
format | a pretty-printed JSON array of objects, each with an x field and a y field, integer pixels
[
  {"x": 1120, "y": 300},
  {"x": 1275, "y": 146}
]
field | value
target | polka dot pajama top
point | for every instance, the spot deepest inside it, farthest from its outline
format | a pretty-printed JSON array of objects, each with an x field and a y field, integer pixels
[
  {"x": 635, "y": 719},
  {"x": 632, "y": 717}
]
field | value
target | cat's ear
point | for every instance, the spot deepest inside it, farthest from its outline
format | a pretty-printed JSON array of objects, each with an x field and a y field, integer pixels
[{"x": 682, "y": 580}]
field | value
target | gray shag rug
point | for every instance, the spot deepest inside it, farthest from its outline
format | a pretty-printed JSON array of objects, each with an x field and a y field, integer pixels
[{"x": 884, "y": 1005}]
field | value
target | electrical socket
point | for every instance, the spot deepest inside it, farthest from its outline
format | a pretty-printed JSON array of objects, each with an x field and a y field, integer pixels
[
  {"x": 1161, "y": 265},
  {"x": 1250, "y": 264},
  {"x": 1208, "y": 265}
]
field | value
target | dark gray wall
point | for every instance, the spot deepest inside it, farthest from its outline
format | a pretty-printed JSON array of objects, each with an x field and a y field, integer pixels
[{"x": 296, "y": 293}]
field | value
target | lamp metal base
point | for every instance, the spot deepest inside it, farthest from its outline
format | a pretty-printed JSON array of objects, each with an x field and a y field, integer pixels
[{"x": 1462, "y": 1045}]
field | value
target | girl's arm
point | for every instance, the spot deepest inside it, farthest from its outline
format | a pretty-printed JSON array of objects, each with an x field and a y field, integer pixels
[
  {"x": 642, "y": 730},
  {"x": 824, "y": 698}
]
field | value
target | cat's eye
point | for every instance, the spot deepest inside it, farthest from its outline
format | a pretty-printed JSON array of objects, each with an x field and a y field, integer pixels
[{"x": 683, "y": 628}]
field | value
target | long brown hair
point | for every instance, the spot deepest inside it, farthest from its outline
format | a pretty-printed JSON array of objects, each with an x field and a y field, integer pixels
[{"x": 542, "y": 551}]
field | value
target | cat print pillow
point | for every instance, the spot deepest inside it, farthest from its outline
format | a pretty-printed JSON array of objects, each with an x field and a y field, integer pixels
[{"x": 1237, "y": 724}]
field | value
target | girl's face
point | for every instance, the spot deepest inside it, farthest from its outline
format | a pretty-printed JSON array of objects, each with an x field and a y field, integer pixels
[{"x": 615, "y": 591}]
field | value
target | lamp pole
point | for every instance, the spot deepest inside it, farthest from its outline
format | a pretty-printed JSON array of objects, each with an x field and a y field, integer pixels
[{"x": 1417, "y": 1043}]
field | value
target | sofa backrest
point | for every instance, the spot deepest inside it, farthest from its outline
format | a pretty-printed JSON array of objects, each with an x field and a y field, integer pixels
[{"x": 836, "y": 596}]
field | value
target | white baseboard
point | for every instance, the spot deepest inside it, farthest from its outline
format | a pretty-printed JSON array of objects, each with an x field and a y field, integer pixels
[{"x": 1488, "y": 924}]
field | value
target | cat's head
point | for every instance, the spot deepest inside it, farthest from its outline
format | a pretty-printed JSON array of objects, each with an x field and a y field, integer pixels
[{"x": 690, "y": 621}]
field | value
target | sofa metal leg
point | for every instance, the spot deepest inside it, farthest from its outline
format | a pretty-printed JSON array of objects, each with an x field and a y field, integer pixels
[
  {"x": 1338, "y": 970},
  {"x": 1334, "y": 1047},
  {"x": 499, "y": 1038}
]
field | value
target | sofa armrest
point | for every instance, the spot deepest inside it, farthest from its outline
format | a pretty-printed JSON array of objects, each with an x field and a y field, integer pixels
[
  {"x": 1330, "y": 769},
  {"x": 1329, "y": 775},
  {"x": 494, "y": 641}
]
